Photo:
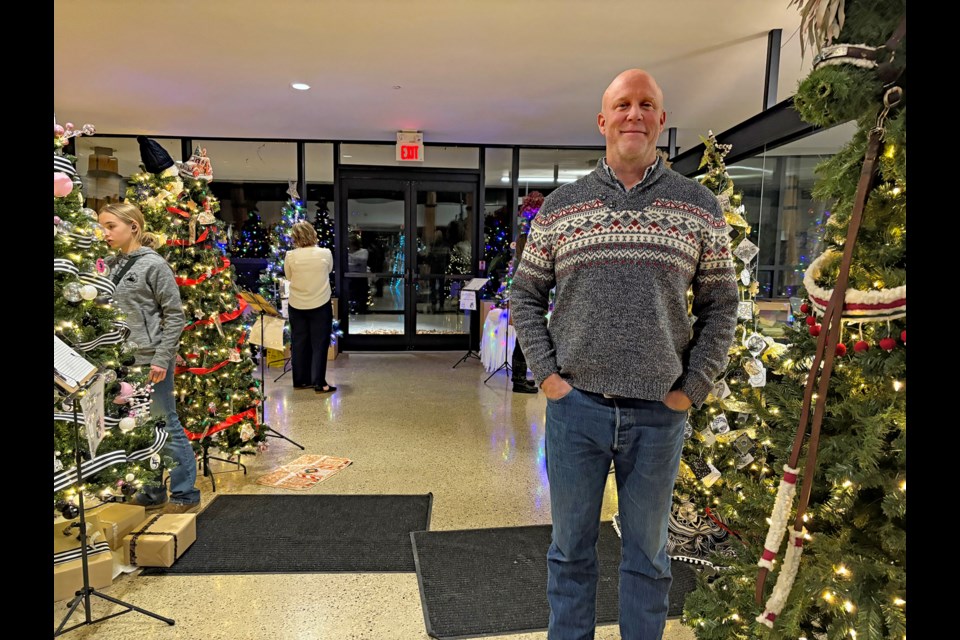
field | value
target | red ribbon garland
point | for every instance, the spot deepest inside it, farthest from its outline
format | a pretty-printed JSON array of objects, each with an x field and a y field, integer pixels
[
  {"x": 189, "y": 282},
  {"x": 179, "y": 212},
  {"x": 200, "y": 371},
  {"x": 226, "y": 316},
  {"x": 186, "y": 243},
  {"x": 229, "y": 422}
]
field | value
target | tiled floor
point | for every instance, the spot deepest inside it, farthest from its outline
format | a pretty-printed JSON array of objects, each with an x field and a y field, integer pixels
[{"x": 411, "y": 424}]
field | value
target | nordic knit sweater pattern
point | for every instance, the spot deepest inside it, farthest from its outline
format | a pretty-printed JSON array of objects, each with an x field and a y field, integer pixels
[{"x": 622, "y": 262}]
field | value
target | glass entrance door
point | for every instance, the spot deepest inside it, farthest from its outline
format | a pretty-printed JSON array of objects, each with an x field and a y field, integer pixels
[{"x": 407, "y": 248}]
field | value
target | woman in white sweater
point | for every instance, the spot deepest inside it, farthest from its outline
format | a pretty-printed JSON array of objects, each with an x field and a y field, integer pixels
[{"x": 308, "y": 267}]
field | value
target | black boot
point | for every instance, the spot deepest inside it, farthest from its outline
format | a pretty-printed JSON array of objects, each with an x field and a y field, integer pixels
[{"x": 521, "y": 385}]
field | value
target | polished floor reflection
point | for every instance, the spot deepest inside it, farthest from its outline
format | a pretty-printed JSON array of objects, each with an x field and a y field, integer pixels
[{"x": 411, "y": 424}]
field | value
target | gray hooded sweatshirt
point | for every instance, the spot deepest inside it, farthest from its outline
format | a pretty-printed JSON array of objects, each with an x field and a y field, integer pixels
[{"x": 150, "y": 298}]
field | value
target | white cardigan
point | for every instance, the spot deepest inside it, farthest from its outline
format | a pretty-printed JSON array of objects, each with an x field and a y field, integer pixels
[{"x": 308, "y": 270}]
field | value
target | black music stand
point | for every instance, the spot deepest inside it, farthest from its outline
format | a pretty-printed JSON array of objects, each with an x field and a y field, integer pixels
[{"x": 86, "y": 592}]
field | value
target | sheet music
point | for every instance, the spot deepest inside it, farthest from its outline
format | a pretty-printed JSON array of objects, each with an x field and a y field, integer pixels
[
  {"x": 475, "y": 284},
  {"x": 72, "y": 367}
]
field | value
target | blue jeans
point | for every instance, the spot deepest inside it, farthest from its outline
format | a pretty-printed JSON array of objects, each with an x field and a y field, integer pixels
[
  {"x": 184, "y": 475},
  {"x": 584, "y": 432}
]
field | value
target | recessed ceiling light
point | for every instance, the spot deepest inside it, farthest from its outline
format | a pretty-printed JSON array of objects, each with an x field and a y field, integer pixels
[
  {"x": 396, "y": 86},
  {"x": 300, "y": 86},
  {"x": 347, "y": 156}
]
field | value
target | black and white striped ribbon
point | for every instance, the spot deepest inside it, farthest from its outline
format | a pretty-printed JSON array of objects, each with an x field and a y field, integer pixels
[
  {"x": 104, "y": 285},
  {"x": 62, "y": 163},
  {"x": 65, "y": 266},
  {"x": 118, "y": 335},
  {"x": 67, "y": 477},
  {"x": 75, "y": 554},
  {"x": 108, "y": 421},
  {"x": 81, "y": 241}
]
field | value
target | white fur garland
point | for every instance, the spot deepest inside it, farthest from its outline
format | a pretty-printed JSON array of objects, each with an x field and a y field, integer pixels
[
  {"x": 785, "y": 580},
  {"x": 778, "y": 518}
]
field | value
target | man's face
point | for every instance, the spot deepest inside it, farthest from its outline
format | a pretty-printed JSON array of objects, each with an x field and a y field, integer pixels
[{"x": 632, "y": 117}]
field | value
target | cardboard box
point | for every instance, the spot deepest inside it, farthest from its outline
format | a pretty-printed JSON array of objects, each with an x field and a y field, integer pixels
[
  {"x": 159, "y": 540},
  {"x": 66, "y": 533},
  {"x": 117, "y": 520},
  {"x": 68, "y": 576},
  {"x": 275, "y": 357}
]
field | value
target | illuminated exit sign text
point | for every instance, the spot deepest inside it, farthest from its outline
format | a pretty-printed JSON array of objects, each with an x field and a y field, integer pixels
[{"x": 410, "y": 146}]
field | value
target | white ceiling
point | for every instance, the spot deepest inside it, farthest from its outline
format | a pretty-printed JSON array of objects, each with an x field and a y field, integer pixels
[{"x": 495, "y": 72}]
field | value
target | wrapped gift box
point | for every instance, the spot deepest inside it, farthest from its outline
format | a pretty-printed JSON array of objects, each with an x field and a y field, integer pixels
[
  {"x": 68, "y": 576},
  {"x": 117, "y": 520},
  {"x": 159, "y": 540},
  {"x": 67, "y": 562}
]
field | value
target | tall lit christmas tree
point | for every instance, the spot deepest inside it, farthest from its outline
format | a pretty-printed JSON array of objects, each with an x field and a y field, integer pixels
[
  {"x": 496, "y": 245},
  {"x": 86, "y": 319},
  {"x": 253, "y": 241},
  {"x": 836, "y": 406},
  {"x": 218, "y": 397},
  {"x": 528, "y": 210},
  {"x": 292, "y": 212},
  {"x": 323, "y": 225}
]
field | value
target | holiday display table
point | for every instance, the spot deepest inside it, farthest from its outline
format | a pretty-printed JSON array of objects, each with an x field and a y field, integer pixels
[{"x": 496, "y": 345}]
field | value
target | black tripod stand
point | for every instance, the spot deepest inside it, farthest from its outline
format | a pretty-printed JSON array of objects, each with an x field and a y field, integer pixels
[
  {"x": 506, "y": 351},
  {"x": 84, "y": 594},
  {"x": 264, "y": 309}
]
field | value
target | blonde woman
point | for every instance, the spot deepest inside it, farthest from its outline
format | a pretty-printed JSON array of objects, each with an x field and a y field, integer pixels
[
  {"x": 150, "y": 298},
  {"x": 308, "y": 267}
]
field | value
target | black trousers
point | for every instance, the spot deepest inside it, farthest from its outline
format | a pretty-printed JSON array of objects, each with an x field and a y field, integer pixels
[
  {"x": 518, "y": 363},
  {"x": 310, "y": 333}
]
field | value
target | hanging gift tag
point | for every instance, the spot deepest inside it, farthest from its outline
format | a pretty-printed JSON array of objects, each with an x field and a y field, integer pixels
[
  {"x": 743, "y": 443},
  {"x": 753, "y": 366},
  {"x": 687, "y": 431},
  {"x": 743, "y": 460},
  {"x": 704, "y": 471},
  {"x": 720, "y": 424},
  {"x": 745, "y": 277},
  {"x": 746, "y": 251},
  {"x": 707, "y": 436},
  {"x": 57, "y": 465},
  {"x": 234, "y": 355},
  {"x": 755, "y": 344},
  {"x": 742, "y": 419},
  {"x": 721, "y": 390},
  {"x": 155, "y": 461},
  {"x": 206, "y": 217},
  {"x": 759, "y": 380},
  {"x": 745, "y": 310}
]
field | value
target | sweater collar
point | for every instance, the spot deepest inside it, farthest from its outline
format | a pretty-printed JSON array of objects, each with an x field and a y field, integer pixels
[{"x": 608, "y": 176}]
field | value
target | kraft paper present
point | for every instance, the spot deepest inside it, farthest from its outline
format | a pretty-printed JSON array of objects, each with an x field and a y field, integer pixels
[
  {"x": 159, "y": 540},
  {"x": 117, "y": 520},
  {"x": 68, "y": 576}
]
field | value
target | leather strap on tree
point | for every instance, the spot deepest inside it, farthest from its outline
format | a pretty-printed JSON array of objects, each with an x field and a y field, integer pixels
[{"x": 831, "y": 323}]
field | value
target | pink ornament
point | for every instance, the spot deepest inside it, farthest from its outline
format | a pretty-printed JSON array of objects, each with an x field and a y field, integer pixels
[
  {"x": 62, "y": 184},
  {"x": 68, "y": 126},
  {"x": 56, "y": 220},
  {"x": 57, "y": 130},
  {"x": 126, "y": 392}
]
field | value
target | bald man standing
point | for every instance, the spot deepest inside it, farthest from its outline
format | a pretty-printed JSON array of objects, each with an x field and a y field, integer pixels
[{"x": 619, "y": 364}]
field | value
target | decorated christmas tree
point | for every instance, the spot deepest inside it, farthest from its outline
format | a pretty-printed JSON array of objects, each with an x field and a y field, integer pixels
[
  {"x": 496, "y": 250},
  {"x": 725, "y": 443},
  {"x": 836, "y": 403},
  {"x": 253, "y": 241},
  {"x": 218, "y": 397},
  {"x": 292, "y": 212},
  {"x": 323, "y": 225},
  {"x": 120, "y": 457},
  {"x": 528, "y": 210}
]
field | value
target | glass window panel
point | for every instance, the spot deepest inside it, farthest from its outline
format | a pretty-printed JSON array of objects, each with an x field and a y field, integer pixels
[{"x": 105, "y": 163}]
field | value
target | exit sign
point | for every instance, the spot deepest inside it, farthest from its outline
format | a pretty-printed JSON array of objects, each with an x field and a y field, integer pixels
[{"x": 410, "y": 146}]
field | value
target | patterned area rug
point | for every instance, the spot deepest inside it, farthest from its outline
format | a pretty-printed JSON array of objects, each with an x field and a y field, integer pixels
[{"x": 304, "y": 472}]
